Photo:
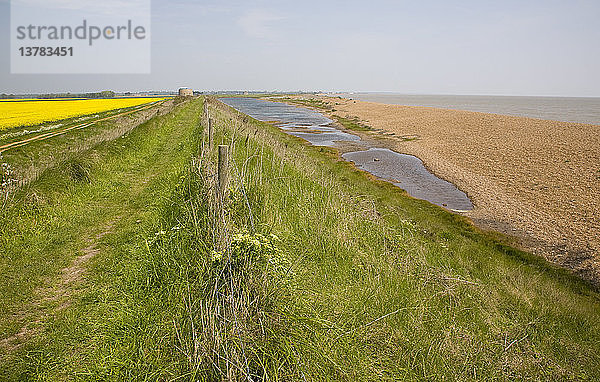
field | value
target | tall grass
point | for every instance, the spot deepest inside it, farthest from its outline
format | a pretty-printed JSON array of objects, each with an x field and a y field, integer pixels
[
  {"x": 359, "y": 282},
  {"x": 309, "y": 270},
  {"x": 381, "y": 286}
]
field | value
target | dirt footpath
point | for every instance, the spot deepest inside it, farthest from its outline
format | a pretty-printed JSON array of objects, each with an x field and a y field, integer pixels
[{"x": 534, "y": 179}]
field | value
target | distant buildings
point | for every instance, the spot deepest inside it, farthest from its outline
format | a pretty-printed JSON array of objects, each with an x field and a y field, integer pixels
[{"x": 186, "y": 92}]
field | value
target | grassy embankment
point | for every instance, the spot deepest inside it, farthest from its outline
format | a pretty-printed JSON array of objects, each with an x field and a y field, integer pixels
[
  {"x": 54, "y": 227},
  {"x": 360, "y": 282}
]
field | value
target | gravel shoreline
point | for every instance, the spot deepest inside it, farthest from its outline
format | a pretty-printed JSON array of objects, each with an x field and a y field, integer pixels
[{"x": 535, "y": 180}]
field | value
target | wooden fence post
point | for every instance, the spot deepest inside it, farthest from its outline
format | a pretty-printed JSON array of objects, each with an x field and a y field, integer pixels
[{"x": 223, "y": 170}]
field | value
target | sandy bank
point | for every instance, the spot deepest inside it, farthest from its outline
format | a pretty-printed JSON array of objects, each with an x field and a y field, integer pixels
[{"x": 533, "y": 179}]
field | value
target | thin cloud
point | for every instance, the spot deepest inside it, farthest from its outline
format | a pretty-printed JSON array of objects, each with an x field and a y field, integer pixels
[{"x": 258, "y": 23}]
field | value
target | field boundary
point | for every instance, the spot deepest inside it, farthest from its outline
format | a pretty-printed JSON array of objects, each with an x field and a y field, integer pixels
[{"x": 52, "y": 134}]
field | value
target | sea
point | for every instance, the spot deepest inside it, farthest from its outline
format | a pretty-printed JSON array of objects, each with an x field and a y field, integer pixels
[{"x": 566, "y": 109}]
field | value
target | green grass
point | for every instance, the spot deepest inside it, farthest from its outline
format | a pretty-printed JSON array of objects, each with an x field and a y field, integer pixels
[
  {"x": 388, "y": 287},
  {"x": 353, "y": 124},
  {"x": 102, "y": 191},
  {"x": 359, "y": 281},
  {"x": 314, "y": 103}
]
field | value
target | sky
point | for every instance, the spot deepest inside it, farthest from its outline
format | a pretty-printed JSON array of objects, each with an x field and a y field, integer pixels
[{"x": 526, "y": 47}]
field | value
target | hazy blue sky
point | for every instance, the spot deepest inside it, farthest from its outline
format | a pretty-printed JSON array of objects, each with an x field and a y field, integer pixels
[{"x": 536, "y": 47}]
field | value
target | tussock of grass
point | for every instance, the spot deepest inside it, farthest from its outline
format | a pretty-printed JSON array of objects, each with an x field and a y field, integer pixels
[
  {"x": 353, "y": 124},
  {"x": 78, "y": 170},
  {"x": 313, "y": 103},
  {"x": 309, "y": 271}
]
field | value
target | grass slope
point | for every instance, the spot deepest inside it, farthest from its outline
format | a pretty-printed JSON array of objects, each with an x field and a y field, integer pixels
[
  {"x": 89, "y": 204},
  {"x": 388, "y": 287},
  {"x": 310, "y": 270}
]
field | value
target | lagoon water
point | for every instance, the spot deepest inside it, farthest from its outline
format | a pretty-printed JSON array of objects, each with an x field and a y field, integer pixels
[
  {"x": 405, "y": 171},
  {"x": 409, "y": 173},
  {"x": 285, "y": 114},
  {"x": 566, "y": 109}
]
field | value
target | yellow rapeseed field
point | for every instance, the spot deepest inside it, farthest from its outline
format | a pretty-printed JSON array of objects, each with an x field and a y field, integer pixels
[{"x": 31, "y": 113}]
